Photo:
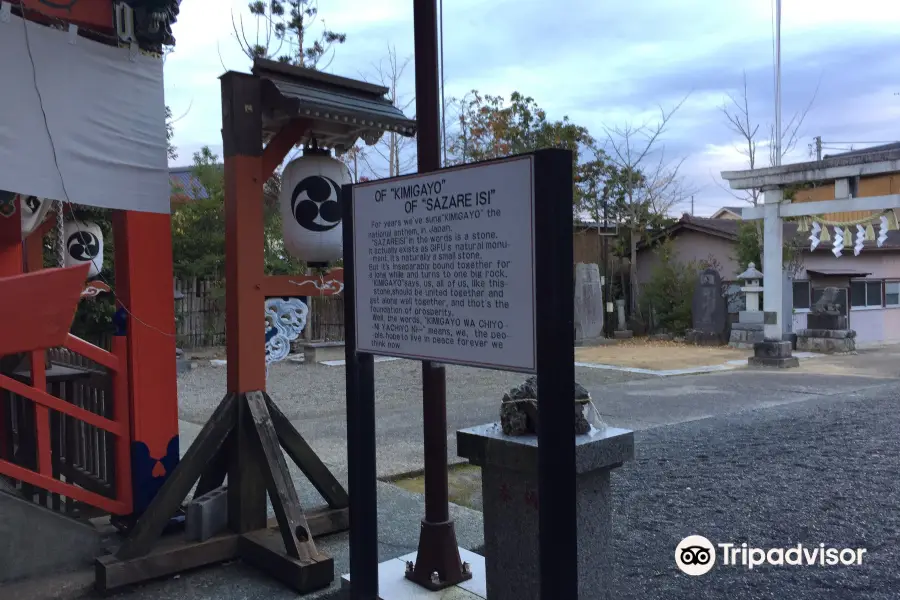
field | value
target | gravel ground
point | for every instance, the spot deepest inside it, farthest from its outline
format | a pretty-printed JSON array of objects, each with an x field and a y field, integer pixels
[
  {"x": 819, "y": 471},
  {"x": 299, "y": 389},
  {"x": 823, "y": 471}
]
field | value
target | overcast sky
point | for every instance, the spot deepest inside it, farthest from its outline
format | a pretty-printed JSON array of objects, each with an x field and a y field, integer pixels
[{"x": 604, "y": 64}]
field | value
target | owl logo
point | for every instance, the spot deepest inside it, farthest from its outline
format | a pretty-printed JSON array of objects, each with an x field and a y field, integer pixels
[
  {"x": 316, "y": 203},
  {"x": 83, "y": 246}
]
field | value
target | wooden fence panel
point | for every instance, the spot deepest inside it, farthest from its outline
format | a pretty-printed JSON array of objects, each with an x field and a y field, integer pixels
[
  {"x": 199, "y": 314},
  {"x": 325, "y": 320}
]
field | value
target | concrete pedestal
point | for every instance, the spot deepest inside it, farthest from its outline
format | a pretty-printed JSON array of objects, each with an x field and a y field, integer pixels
[
  {"x": 699, "y": 337},
  {"x": 623, "y": 334},
  {"x": 745, "y": 335},
  {"x": 773, "y": 353},
  {"x": 321, "y": 351},
  {"x": 510, "y": 490},
  {"x": 826, "y": 341}
]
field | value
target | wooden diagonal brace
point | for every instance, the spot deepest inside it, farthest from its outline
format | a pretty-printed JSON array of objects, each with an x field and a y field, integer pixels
[
  {"x": 176, "y": 488},
  {"x": 292, "y": 523}
]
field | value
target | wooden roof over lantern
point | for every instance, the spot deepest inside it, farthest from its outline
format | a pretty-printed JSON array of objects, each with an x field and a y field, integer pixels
[{"x": 339, "y": 110}]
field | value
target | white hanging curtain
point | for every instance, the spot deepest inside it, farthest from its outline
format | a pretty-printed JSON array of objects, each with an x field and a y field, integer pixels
[{"x": 105, "y": 109}]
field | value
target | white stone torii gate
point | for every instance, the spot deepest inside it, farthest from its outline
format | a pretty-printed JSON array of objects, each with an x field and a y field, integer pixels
[{"x": 844, "y": 171}]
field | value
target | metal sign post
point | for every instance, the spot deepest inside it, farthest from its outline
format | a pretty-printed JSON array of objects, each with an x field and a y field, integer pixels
[{"x": 473, "y": 266}]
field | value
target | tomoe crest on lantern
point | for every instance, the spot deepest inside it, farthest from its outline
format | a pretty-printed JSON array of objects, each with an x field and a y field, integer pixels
[
  {"x": 84, "y": 244},
  {"x": 33, "y": 210},
  {"x": 310, "y": 205}
]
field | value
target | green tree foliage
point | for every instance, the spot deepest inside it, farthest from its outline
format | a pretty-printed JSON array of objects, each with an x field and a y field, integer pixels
[
  {"x": 669, "y": 293},
  {"x": 171, "y": 151},
  {"x": 283, "y": 33},
  {"x": 489, "y": 127},
  {"x": 750, "y": 249},
  {"x": 198, "y": 226}
]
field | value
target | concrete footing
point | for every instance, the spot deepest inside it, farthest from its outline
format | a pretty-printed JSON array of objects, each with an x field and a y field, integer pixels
[
  {"x": 826, "y": 341},
  {"x": 773, "y": 353},
  {"x": 314, "y": 352},
  {"x": 745, "y": 335}
]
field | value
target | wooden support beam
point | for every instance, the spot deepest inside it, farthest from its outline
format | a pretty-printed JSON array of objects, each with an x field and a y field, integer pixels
[
  {"x": 217, "y": 469},
  {"x": 261, "y": 549},
  {"x": 176, "y": 554},
  {"x": 307, "y": 460},
  {"x": 279, "y": 146},
  {"x": 172, "y": 555},
  {"x": 176, "y": 488},
  {"x": 291, "y": 523},
  {"x": 809, "y": 209}
]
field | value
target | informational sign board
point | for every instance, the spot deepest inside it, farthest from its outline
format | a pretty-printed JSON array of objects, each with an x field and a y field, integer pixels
[{"x": 444, "y": 266}]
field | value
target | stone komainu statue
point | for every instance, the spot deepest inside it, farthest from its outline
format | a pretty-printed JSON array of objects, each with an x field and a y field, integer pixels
[{"x": 828, "y": 303}]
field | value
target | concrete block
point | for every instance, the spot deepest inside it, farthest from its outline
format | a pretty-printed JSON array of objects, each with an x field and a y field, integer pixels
[
  {"x": 624, "y": 334},
  {"x": 750, "y": 317},
  {"x": 37, "y": 541},
  {"x": 827, "y": 333},
  {"x": 314, "y": 352},
  {"x": 509, "y": 486},
  {"x": 207, "y": 515},
  {"x": 772, "y": 349},
  {"x": 779, "y": 363},
  {"x": 748, "y": 326},
  {"x": 826, "y": 345},
  {"x": 825, "y": 321}
]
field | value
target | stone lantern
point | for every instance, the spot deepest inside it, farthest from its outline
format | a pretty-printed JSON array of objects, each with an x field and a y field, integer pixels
[
  {"x": 750, "y": 328},
  {"x": 752, "y": 287}
]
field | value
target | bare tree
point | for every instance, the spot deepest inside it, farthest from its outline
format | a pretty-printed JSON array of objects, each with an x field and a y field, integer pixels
[
  {"x": 282, "y": 33},
  {"x": 650, "y": 185},
  {"x": 394, "y": 149},
  {"x": 737, "y": 114}
]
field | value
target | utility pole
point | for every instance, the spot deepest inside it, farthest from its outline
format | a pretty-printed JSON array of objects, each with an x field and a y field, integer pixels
[
  {"x": 777, "y": 83},
  {"x": 818, "y": 147},
  {"x": 692, "y": 205}
]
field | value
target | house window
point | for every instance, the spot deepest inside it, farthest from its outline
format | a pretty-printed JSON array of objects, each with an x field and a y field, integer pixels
[
  {"x": 801, "y": 295},
  {"x": 892, "y": 293},
  {"x": 865, "y": 293}
]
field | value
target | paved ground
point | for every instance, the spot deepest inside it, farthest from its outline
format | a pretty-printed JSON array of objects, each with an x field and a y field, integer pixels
[
  {"x": 312, "y": 396},
  {"x": 774, "y": 458}
]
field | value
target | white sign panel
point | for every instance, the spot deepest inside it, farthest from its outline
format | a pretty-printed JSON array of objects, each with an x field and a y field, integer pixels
[{"x": 444, "y": 266}]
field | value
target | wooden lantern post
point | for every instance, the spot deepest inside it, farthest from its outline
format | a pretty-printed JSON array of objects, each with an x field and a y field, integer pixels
[{"x": 244, "y": 437}]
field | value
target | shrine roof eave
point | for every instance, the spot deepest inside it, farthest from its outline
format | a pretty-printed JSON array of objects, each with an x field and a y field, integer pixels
[
  {"x": 340, "y": 110},
  {"x": 828, "y": 169}
]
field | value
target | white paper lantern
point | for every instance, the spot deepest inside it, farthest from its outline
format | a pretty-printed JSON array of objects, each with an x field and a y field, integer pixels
[
  {"x": 311, "y": 206},
  {"x": 33, "y": 211},
  {"x": 84, "y": 244}
]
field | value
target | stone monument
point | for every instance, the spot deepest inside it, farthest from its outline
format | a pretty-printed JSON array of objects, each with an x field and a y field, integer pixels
[
  {"x": 622, "y": 331},
  {"x": 509, "y": 481},
  {"x": 708, "y": 310},
  {"x": 588, "y": 305},
  {"x": 827, "y": 329},
  {"x": 750, "y": 328},
  {"x": 519, "y": 414}
]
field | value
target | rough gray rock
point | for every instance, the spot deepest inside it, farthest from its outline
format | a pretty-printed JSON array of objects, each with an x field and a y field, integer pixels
[{"x": 519, "y": 413}]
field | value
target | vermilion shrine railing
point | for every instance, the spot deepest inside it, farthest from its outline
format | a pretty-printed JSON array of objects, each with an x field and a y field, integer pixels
[{"x": 121, "y": 500}]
